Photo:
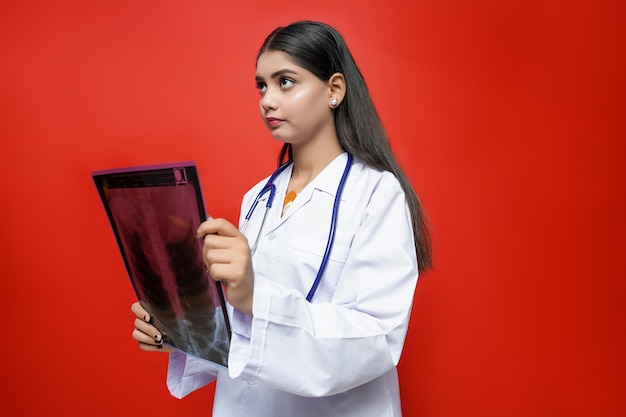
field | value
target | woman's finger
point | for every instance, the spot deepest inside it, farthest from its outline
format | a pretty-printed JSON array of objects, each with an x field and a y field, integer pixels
[
  {"x": 149, "y": 330},
  {"x": 140, "y": 312},
  {"x": 155, "y": 348},
  {"x": 147, "y": 336},
  {"x": 144, "y": 338},
  {"x": 220, "y": 227},
  {"x": 221, "y": 256},
  {"x": 215, "y": 241},
  {"x": 148, "y": 343}
]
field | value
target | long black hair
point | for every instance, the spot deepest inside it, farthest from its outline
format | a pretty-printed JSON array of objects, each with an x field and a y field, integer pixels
[{"x": 320, "y": 49}]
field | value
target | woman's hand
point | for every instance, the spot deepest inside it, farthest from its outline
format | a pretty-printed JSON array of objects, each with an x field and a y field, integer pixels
[
  {"x": 147, "y": 335},
  {"x": 227, "y": 256}
]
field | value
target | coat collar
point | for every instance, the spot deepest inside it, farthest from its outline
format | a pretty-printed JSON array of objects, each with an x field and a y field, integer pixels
[{"x": 326, "y": 181}]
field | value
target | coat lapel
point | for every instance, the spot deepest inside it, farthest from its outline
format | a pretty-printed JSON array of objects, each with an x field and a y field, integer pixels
[{"x": 326, "y": 181}]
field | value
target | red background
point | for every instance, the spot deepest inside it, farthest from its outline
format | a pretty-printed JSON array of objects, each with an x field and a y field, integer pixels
[{"x": 508, "y": 117}]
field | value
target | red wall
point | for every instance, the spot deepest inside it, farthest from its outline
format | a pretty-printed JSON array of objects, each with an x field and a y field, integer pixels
[{"x": 507, "y": 115}]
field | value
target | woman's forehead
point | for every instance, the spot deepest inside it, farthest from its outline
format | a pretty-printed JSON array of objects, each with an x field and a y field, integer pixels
[{"x": 273, "y": 60}]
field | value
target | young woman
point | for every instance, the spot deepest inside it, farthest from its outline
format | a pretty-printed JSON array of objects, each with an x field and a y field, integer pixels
[{"x": 319, "y": 285}]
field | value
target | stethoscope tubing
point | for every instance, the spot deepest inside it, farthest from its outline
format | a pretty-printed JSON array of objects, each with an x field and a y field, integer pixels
[
  {"x": 333, "y": 228},
  {"x": 270, "y": 188}
]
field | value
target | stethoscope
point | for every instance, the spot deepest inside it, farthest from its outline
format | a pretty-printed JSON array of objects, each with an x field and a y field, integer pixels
[{"x": 270, "y": 188}]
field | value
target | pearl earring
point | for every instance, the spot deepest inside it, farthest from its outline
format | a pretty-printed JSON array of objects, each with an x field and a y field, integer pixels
[{"x": 334, "y": 102}]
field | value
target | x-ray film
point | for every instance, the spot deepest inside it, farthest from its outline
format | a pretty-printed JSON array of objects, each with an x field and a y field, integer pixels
[{"x": 154, "y": 212}]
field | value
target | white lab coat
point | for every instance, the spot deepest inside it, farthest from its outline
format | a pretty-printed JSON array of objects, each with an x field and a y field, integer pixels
[{"x": 337, "y": 355}]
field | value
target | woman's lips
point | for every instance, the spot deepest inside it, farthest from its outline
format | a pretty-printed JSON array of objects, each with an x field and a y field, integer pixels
[{"x": 274, "y": 121}]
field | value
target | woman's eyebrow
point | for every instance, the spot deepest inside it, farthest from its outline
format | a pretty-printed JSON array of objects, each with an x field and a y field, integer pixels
[{"x": 277, "y": 74}]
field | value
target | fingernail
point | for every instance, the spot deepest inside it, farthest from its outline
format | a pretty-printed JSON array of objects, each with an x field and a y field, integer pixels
[
  {"x": 146, "y": 318},
  {"x": 198, "y": 235},
  {"x": 157, "y": 338},
  {"x": 159, "y": 346}
]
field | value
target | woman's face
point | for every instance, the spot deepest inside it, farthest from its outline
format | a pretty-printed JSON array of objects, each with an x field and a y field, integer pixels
[{"x": 294, "y": 103}]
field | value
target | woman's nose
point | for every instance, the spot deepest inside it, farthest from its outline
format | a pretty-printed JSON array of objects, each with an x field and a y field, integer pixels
[{"x": 269, "y": 100}]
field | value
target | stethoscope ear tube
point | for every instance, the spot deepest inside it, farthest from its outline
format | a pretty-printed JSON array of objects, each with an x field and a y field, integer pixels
[{"x": 269, "y": 187}]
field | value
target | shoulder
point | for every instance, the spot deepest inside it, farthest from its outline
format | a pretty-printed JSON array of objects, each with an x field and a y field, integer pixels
[
  {"x": 252, "y": 192},
  {"x": 370, "y": 190},
  {"x": 363, "y": 175}
]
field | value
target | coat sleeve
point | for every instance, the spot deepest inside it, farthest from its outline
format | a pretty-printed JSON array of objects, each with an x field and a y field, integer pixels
[
  {"x": 320, "y": 349},
  {"x": 186, "y": 374}
]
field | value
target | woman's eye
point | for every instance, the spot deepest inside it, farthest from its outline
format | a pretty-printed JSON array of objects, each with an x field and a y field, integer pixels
[
  {"x": 261, "y": 87},
  {"x": 286, "y": 83}
]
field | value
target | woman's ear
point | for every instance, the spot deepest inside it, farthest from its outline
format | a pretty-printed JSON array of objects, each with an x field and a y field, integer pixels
[{"x": 337, "y": 89}]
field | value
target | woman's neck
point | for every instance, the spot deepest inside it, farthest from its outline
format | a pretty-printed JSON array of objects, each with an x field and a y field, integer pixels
[{"x": 308, "y": 162}]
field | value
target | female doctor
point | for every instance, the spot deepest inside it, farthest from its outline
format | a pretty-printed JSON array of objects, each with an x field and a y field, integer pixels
[{"x": 320, "y": 285}]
